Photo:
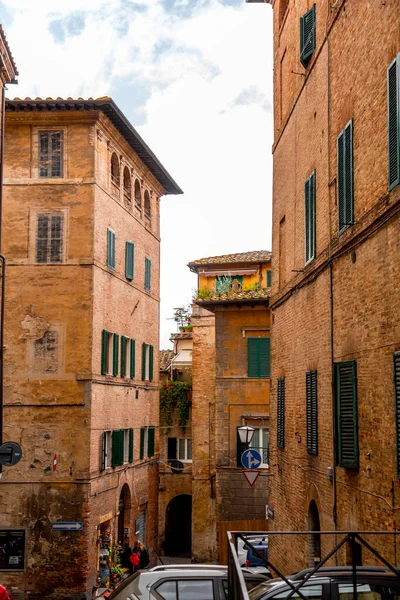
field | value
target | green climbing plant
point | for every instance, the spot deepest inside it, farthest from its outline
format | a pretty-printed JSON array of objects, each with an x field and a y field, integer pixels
[{"x": 174, "y": 396}]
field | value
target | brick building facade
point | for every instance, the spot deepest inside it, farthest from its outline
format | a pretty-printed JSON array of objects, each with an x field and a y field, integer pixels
[
  {"x": 231, "y": 370},
  {"x": 336, "y": 248},
  {"x": 82, "y": 240}
]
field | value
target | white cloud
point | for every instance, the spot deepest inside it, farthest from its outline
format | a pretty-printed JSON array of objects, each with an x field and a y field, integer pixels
[{"x": 207, "y": 117}]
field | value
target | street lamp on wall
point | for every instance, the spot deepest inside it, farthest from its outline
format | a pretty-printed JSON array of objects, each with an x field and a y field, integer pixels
[{"x": 246, "y": 434}]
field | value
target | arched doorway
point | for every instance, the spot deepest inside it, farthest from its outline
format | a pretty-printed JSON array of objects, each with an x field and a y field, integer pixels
[
  {"x": 178, "y": 526},
  {"x": 124, "y": 506},
  {"x": 314, "y": 540}
]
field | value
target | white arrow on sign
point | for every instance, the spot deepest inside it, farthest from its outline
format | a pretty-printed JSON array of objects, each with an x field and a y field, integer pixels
[
  {"x": 67, "y": 526},
  {"x": 251, "y": 476},
  {"x": 250, "y": 460}
]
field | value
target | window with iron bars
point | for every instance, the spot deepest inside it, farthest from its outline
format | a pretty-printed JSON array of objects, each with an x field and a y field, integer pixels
[
  {"x": 51, "y": 153},
  {"x": 49, "y": 238}
]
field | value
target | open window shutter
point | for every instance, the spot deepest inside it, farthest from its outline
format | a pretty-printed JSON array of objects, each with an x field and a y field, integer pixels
[
  {"x": 133, "y": 359},
  {"x": 309, "y": 209},
  {"x": 281, "y": 413},
  {"x": 307, "y": 36},
  {"x": 104, "y": 351},
  {"x": 269, "y": 278},
  {"x": 312, "y": 412},
  {"x": 348, "y": 173},
  {"x": 130, "y": 458},
  {"x": 151, "y": 359},
  {"x": 113, "y": 250},
  {"x": 110, "y": 249},
  {"x": 396, "y": 372},
  {"x": 115, "y": 353},
  {"x": 264, "y": 357},
  {"x": 240, "y": 448},
  {"x": 307, "y": 217},
  {"x": 104, "y": 451},
  {"x": 123, "y": 355},
  {"x": 346, "y": 414},
  {"x": 150, "y": 444},
  {"x": 129, "y": 260},
  {"x": 144, "y": 350},
  {"x": 147, "y": 274},
  {"x": 142, "y": 434},
  {"x": 172, "y": 448},
  {"x": 393, "y": 85},
  {"x": 341, "y": 191},
  {"x": 252, "y": 357}
]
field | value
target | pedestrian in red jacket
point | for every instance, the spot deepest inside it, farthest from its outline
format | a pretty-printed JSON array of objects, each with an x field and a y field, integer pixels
[{"x": 3, "y": 593}]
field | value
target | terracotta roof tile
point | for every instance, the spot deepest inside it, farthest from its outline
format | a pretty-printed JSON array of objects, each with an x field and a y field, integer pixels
[
  {"x": 247, "y": 257},
  {"x": 3, "y": 35},
  {"x": 235, "y": 296},
  {"x": 165, "y": 359}
]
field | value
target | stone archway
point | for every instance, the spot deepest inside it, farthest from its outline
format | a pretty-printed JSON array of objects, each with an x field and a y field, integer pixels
[
  {"x": 124, "y": 514},
  {"x": 314, "y": 540},
  {"x": 178, "y": 526}
]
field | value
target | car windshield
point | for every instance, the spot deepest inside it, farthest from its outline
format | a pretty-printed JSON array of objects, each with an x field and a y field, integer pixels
[{"x": 262, "y": 588}]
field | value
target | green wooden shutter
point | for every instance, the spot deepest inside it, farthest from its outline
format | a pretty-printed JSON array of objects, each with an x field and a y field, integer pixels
[
  {"x": 144, "y": 351},
  {"x": 129, "y": 260},
  {"x": 264, "y": 357},
  {"x": 130, "y": 459},
  {"x": 307, "y": 36},
  {"x": 269, "y": 278},
  {"x": 252, "y": 357},
  {"x": 393, "y": 92},
  {"x": 123, "y": 355},
  {"x": 117, "y": 455},
  {"x": 142, "y": 434},
  {"x": 104, "y": 351},
  {"x": 104, "y": 452},
  {"x": 258, "y": 357},
  {"x": 115, "y": 353},
  {"x": 346, "y": 414},
  {"x": 133, "y": 359},
  {"x": 312, "y": 412},
  {"x": 150, "y": 441},
  {"x": 151, "y": 360},
  {"x": 147, "y": 274},
  {"x": 240, "y": 448},
  {"x": 310, "y": 220},
  {"x": 345, "y": 177},
  {"x": 396, "y": 373},
  {"x": 110, "y": 249},
  {"x": 281, "y": 413}
]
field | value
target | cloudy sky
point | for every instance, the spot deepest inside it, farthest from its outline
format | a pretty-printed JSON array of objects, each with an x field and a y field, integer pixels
[{"x": 195, "y": 78}]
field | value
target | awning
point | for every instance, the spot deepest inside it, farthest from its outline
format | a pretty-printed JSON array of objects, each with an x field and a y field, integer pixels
[{"x": 182, "y": 359}]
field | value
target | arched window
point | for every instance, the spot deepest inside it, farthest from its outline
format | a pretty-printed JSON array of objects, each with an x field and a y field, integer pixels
[
  {"x": 147, "y": 209},
  {"x": 314, "y": 540},
  {"x": 127, "y": 184},
  {"x": 138, "y": 195},
  {"x": 115, "y": 169}
]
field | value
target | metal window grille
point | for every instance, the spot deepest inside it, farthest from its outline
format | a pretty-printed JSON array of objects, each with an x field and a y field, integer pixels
[
  {"x": 49, "y": 238},
  {"x": 51, "y": 151},
  {"x": 281, "y": 413}
]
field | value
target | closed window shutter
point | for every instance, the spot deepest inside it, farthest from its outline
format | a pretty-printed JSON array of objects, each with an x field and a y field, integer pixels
[
  {"x": 150, "y": 443},
  {"x": 310, "y": 220},
  {"x": 144, "y": 352},
  {"x": 142, "y": 434},
  {"x": 312, "y": 412},
  {"x": 104, "y": 351},
  {"x": 345, "y": 177},
  {"x": 133, "y": 359},
  {"x": 396, "y": 370},
  {"x": 117, "y": 456},
  {"x": 172, "y": 446},
  {"x": 115, "y": 353},
  {"x": 307, "y": 36},
  {"x": 123, "y": 355},
  {"x": 151, "y": 360},
  {"x": 130, "y": 458},
  {"x": 393, "y": 85},
  {"x": 240, "y": 448},
  {"x": 281, "y": 413},
  {"x": 104, "y": 451},
  {"x": 129, "y": 260},
  {"x": 269, "y": 278},
  {"x": 147, "y": 274},
  {"x": 252, "y": 357},
  {"x": 346, "y": 414},
  {"x": 258, "y": 357},
  {"x": 264, "y": 357}
]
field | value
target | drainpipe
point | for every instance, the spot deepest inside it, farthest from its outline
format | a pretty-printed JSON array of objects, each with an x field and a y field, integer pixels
[{"x": 3, "y": 271}]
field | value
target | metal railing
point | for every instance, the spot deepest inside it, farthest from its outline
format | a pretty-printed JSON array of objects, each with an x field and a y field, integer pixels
[{"x": 237, "y": 589}]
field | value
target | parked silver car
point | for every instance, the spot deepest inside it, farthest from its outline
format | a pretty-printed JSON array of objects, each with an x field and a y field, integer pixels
[{"x": 186, "y": 582}]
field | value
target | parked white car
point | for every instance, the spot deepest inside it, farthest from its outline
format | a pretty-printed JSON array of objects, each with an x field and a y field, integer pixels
[{"x": 186, "y": 582}]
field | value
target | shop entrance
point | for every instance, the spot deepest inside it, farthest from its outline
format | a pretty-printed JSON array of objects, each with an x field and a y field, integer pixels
[
  {"x": 178, "y": 527},
  {"x": 124, "y": 510}
]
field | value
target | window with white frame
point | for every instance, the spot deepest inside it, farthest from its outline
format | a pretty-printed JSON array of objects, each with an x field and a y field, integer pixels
[
  {"x": 260, "y": 442},
  {"x": 185, "y": 449},
  {"x": 107, "y": 443}
]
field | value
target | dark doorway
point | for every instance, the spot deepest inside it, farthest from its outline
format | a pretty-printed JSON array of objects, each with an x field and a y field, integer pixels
[
  {"x": 314, "y": 541},
  {"x": 124, "y": 506},
  {"x": 178, "y": 527}
]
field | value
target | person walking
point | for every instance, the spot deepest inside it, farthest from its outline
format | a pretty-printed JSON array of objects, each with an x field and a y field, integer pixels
[{"x": 141, "y": 549}]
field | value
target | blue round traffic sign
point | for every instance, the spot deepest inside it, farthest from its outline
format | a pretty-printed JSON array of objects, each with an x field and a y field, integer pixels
[{"x": 251, "y": 459}]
